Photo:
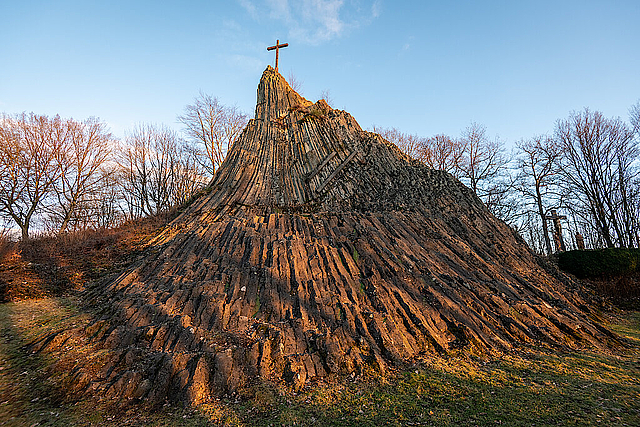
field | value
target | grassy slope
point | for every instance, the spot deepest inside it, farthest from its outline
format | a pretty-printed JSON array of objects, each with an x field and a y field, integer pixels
[{"x": 52, "y": 266}]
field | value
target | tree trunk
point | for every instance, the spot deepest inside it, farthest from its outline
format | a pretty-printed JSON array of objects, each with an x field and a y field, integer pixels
[
  {"x": 24, "y": 228},
  {"x": 543, "y": 219}
]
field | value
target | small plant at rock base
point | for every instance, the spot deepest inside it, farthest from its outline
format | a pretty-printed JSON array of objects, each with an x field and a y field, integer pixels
[{"x": 6, "y": 244}]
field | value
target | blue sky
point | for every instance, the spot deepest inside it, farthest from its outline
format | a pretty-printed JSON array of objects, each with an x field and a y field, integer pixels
[{"x": 425, "y": 67}]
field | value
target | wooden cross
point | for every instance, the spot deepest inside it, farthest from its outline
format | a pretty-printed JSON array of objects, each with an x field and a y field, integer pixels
[
  {"x": 277, "y": 48},
  {"x": 557, "y": 235}
]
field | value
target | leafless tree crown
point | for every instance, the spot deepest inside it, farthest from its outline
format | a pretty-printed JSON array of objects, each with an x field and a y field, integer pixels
[
  {"x": 50, "y": 166},
  {"x": 213, "y": 127},
  {"x": 158, "y": 170},
  {"x": 67, "y": 175},
  {"x": 600, "y": 169}
]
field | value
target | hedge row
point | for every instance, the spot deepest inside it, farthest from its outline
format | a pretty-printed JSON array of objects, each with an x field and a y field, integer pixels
[{"x": 601, "y": 263}]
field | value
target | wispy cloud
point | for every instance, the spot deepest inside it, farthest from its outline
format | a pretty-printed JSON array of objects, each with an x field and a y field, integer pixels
[
  {"x": 279, "y": 9},
  {"x": 247, "y": 62},
  {"x": 407, "y": 45},
  {"x": 375, "y": 8},
  {"x": 249, "y": 7},
  {"x": 315, "y": 21},
  {"x": 231, "y": 25}
]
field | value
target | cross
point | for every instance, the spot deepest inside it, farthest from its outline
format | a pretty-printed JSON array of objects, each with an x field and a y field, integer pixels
[
  {"x": 557, "y": 235},
  {"x": 277, "y": 48}
]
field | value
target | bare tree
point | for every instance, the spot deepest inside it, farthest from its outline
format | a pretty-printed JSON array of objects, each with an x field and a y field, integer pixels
[
  {"x": 483, "y": 167},
  {"x": 104, "y": 208},
  {"x": 213, "y": 127},
  {"x": 135, "y": 173},
  {"x": 439, "y": 152},
  {"x": 295, "y": 83},
  {"x": 634, "y": 118},
  {"x": 30, "y": 150},
  {"x": 188, "y": 175},
  {"x": 600, "y": 167},
  {"x": 480, "y": 163},
  {"x": 411, "y": 145},
  {"x": 326, "y": 95},
  {"x": 483, "y": 159},
  {"x": 443, "y": 153},
  {"x": 82, "y": 157},
  {"x": 158, "y": 170},
  {"x": 538, "y": 172}
]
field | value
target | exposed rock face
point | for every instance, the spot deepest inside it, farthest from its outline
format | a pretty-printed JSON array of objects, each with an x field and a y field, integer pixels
[{"x": 321, "y": 249}]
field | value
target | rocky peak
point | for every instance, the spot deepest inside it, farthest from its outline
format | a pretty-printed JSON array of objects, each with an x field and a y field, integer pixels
[
  {"x": 275, "y": 97},
  {"x": 307, "y": 157}
]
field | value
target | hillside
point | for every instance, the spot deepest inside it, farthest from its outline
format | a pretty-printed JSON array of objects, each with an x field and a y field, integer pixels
[{"x": 319, "y": 250}]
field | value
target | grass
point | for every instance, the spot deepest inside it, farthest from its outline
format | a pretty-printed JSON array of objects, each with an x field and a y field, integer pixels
[
  {"x": 528, "y": 387},
  {"x": 51, "y": 266}
]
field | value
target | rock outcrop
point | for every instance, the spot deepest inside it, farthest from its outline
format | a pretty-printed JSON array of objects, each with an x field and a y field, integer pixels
[{"x": 321, "y": 249}]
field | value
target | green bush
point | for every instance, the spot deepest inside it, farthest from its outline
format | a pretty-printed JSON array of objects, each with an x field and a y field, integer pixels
[{"x": 601, "y": 263}]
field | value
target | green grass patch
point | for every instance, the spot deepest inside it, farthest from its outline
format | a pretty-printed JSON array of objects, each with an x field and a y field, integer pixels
[
  {"x": 628, "y": 326},
  {"x": 27, "y": 395},
  {"x": 525, "y": 389}
]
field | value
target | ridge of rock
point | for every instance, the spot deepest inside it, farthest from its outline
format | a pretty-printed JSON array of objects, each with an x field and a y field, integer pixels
[{"x": 320, "y": 250}]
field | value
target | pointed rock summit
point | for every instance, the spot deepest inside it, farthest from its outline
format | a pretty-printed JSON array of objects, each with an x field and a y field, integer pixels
[{"x": 320, "y": 250}]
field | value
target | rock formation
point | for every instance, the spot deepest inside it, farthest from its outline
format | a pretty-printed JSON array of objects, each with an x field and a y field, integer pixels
[{"x": 320, "y": 249}]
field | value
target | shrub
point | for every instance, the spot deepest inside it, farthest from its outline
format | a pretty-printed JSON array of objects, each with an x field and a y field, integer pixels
[{"x": 601, "y": 264}]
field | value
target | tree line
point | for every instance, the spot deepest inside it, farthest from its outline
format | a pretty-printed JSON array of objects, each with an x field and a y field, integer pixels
[
  {"x": 587, "y": 168},
  {"x": 68, "y": 175}
]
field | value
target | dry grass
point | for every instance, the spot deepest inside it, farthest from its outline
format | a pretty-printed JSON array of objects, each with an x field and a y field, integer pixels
[
  {"x": 50, "y": 266},
  {"x": 6, "y": 244},
  {"x": 623, "y": 292}
]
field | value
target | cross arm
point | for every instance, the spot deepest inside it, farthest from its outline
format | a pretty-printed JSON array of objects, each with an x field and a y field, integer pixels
[{"x": 278, "y": 46}]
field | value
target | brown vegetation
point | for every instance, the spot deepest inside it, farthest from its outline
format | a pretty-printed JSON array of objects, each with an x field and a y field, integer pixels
[{"x": 53, "y": 265}]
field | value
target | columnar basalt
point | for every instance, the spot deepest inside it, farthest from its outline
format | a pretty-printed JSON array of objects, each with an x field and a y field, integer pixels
[{"x": 320, "y": 249}]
